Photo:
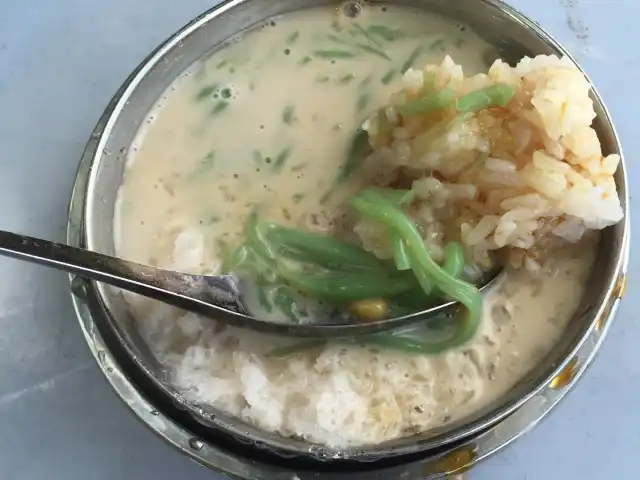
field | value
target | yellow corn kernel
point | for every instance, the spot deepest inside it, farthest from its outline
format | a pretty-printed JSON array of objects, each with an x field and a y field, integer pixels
[{"x": 370, "y": 309}]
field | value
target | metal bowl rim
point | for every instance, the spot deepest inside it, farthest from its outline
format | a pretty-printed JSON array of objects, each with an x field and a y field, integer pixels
[{"x": 118, "y": 102}]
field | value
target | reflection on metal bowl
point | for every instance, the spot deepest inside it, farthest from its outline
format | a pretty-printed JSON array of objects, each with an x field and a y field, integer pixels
[{"x": 229, "y": 445}]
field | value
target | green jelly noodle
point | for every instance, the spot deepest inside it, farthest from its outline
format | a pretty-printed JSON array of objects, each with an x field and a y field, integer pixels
[
  {"x": 410, "y": 253},
  {"x": 497, "y": 95},
  {"x": 370, "y": 204}
]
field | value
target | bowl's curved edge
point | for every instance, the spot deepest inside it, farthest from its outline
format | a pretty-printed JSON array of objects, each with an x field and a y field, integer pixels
[{"x": 509, "y": 429}]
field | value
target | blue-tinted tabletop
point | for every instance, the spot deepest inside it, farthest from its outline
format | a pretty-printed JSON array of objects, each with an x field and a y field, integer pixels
[{"x": 60, "y": 62}]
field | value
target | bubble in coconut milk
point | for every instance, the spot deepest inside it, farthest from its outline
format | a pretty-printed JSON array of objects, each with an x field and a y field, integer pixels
[
  {"x": 351, "y": 9},
  {"x": 226, "y": 92}
]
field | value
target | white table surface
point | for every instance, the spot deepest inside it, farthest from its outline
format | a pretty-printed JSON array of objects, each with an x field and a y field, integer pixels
[{"x": 60, "y": 62}]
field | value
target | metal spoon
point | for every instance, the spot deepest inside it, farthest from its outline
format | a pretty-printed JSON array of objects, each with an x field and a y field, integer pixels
[{"x": 215, "y": 296}]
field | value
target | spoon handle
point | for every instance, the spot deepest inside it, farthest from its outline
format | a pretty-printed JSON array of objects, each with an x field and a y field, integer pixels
[
  {"x": 87, "y": 264},
  {"x": 178, "y": 289}
]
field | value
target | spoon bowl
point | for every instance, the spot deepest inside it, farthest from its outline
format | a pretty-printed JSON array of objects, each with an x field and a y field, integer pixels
[{"x": 214, "y": 296}]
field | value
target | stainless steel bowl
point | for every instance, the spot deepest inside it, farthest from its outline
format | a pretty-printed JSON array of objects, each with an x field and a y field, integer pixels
[{"x": 230, "y": 445}]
